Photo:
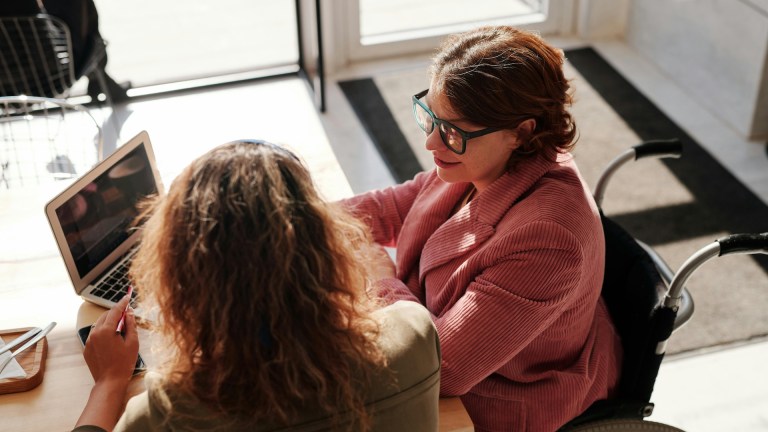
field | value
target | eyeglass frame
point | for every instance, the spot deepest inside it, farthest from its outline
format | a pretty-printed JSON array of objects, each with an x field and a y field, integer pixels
[{"x": 436, "y": 121}]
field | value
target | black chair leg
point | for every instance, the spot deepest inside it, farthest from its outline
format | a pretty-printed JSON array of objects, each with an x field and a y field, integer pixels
[{"x": 106, "y": 85}]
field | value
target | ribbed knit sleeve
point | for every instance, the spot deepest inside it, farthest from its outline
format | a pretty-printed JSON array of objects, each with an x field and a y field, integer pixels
[
  {"x": 384, "y": 210},
  {"x": 392, "y": 290}
]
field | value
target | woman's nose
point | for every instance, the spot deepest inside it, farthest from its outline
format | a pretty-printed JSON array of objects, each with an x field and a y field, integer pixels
[{"x": 434, "y": 141}]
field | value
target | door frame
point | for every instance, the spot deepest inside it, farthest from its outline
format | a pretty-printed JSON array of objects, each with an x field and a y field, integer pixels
[{"x": 344, "y": 47}]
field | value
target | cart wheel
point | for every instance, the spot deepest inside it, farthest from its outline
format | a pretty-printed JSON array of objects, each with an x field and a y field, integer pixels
[{"x": 624, "y": 425}]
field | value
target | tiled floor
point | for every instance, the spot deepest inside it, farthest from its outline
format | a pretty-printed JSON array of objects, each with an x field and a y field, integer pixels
[{"x": 726, "y": 389}]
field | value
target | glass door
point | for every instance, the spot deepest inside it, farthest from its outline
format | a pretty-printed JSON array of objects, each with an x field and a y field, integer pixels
[
  {"x": 379, "y": 28},
  {"x": 153, "y": 43}
]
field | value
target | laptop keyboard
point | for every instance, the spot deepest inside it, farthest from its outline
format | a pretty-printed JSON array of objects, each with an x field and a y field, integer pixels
[{"x": 115, "y": 284}]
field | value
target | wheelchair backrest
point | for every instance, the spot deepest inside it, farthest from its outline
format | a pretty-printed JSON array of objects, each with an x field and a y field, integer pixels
[{"x": 633, "y": 290}]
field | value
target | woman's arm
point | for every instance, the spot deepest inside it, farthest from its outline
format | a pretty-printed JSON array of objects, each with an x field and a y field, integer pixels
[
  {"x": 384, "y": 210},
  {"x": 509, "y": 302},
  {"x": 111, "y": 359}
]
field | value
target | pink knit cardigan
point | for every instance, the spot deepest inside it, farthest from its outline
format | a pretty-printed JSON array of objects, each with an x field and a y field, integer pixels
[{"x": 512, "y": 281}]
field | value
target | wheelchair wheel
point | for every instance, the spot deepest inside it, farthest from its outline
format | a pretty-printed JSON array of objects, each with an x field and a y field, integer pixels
[{"x": 624, "y": 425}]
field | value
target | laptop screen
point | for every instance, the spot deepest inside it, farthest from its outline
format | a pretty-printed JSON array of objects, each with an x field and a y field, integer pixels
[{"x": 98, "y": 218}]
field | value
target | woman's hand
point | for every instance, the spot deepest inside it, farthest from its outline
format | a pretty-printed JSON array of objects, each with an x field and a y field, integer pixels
[{"x": 111, "y": 357}]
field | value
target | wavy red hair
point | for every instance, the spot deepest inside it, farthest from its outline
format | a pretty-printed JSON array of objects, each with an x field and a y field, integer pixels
[
  {"x": 258, "y": 288},
  {"x": 499, "y": 76}
]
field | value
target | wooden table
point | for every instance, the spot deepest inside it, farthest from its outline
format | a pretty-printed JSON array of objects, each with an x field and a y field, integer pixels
[
  {"x": 36, "y": 290},
  {"x": 56, "y": 403}
]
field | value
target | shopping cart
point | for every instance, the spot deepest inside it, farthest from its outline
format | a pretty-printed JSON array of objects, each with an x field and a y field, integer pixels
[{"x": 647, "y": 302}]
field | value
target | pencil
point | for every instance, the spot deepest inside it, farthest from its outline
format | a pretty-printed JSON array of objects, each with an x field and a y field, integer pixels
[{"x": 121, "y": 323}]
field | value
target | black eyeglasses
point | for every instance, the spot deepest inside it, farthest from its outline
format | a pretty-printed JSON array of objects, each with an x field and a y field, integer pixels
[{"x": 453, "y": 137}]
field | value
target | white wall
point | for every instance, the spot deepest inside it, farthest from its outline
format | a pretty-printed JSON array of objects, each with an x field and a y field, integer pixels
[
  {"x": 597, "y": 19},
  {"x": 714, "y": 49}
]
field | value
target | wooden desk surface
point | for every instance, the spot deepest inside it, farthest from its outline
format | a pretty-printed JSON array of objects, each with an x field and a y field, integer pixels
[
  {"x": 56, "y": 403},
  {"x": 36, "y": 290}
]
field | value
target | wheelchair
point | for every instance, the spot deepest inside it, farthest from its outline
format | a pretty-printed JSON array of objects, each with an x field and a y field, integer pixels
[{"x": 647, "y": 302}]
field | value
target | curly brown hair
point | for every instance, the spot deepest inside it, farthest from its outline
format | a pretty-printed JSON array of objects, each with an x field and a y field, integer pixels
[
  {"x": 499, "y": 76},
  {"x": 258, "y": 288}
]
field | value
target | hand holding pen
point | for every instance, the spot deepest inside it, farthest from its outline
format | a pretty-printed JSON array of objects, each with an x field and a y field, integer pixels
[
  {"x": 111, "y": 358},
  {"x": 112, "y": 355},
  {"x": 121, "y": 323}
]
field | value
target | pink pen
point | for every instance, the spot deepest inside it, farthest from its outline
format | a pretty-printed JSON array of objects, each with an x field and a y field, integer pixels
[{"x": 121, "y": 323}]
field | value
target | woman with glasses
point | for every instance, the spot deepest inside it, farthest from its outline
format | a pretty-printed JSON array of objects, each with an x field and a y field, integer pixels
[
  {"x": 502, "y": 241},
  {"x": 263, "y": 313}
]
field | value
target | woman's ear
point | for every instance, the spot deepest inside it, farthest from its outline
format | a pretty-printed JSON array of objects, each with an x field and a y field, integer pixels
[
  {"x": 525, "y": 128},
  {"x": 522, "y": 133}
]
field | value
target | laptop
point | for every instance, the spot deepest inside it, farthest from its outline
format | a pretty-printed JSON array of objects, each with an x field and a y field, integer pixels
[{"x": 92, "y": 220}]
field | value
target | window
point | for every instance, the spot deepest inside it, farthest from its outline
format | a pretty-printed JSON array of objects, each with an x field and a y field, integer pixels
[
  {"x": 159, "y": 42},
  {"x": 381, "y": 28},
  {"x": 382, "y": 21}
]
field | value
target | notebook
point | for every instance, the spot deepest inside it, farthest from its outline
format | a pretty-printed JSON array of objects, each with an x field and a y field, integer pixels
[{"x": 92, "y": 220}]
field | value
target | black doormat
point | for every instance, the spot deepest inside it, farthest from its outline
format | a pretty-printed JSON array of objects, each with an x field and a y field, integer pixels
[
  {"x": 377, "y": 119},
  {"x": 730, "y": 299}
]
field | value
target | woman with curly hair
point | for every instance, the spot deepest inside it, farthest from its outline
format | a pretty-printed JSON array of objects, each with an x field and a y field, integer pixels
[
  {"x": 502, "y": 241},
  {"x": 260, "y": 294}
]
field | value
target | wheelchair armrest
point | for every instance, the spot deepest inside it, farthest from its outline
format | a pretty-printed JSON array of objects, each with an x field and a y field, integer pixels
[{"x": 685, "y": 311}]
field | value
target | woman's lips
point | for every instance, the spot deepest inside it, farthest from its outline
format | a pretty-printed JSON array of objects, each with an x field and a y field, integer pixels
[{"x": 444, "y": 164}]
